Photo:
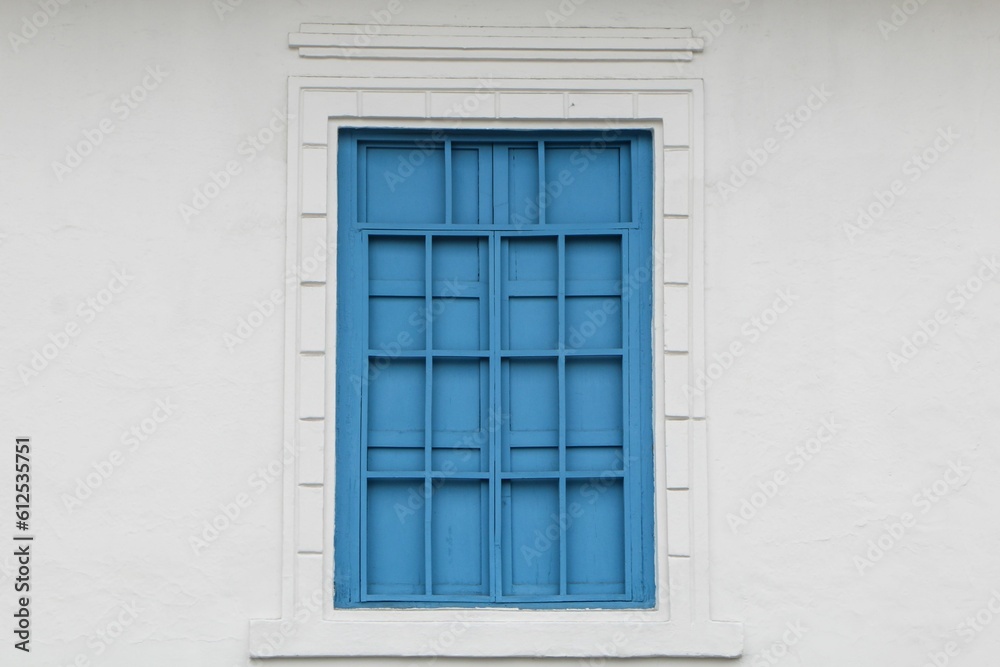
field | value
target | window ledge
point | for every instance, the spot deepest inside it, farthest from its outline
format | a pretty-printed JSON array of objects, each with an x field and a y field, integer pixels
[{"x": 468, "y": 638}]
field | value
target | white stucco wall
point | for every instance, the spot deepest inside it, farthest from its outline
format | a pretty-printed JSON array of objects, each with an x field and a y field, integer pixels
[{"x": 188, "y": 283}]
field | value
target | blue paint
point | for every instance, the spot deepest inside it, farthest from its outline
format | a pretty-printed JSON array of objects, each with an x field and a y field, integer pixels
[{"x": 494, "y": 370}]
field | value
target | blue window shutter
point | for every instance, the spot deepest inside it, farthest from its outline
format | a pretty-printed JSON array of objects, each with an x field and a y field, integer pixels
[{"x": 494, "y": 376}]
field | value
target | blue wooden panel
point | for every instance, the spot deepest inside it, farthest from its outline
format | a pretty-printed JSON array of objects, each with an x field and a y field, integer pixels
[
  {"x": 460, "y": 409},
  {"x": 521, "y": 166},
  {"x": 593, "y": 396},
  {"x": 467, "y": 182},
  {"x": 399, "y": 459},
  {"x": 593, "y": 258},
  {"x": 492, "y": 375},
  {"x": 533, "y": 459},
  {"x": 396, "y": 258},
  {"x": 396, "y": 398},
  {"x": 461, "y": 279},
  {"x": 532, "y": 394},
  {"x": 532, "y": 537},
  {"x": 532, "y": 323},
  {"x": 395, "y": 535},
  {"x": 594, "y": 322},
  {"x": 591, "y": 189},
  {"x": 460, "y": 544},
  {"x": 595, "y": 458},
  {"x": 532, "y": 259},
  {"x": 596, "y": 537},
  {"x": 403, "y": 185},
  {"x": 395, "y": 323}
]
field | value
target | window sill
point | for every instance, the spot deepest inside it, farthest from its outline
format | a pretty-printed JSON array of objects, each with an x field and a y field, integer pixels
[{"x": 464, "y": 636}]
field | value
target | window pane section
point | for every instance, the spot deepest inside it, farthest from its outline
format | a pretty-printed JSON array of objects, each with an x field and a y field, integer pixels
[{"x": 403, "y": 185}]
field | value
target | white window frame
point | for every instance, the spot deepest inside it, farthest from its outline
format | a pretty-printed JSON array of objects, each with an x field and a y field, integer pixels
[{"x": 681, "y": 622}]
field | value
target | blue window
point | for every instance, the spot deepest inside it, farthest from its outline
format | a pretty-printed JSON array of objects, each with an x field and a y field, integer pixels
[{"x": 494, "y": 375}]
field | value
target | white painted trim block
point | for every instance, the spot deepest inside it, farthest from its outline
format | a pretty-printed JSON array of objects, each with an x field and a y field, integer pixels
[
  {"x": 312, "y": 318},
  {"x": 678, "y": 442},
  {"x": 310, "y": 520},
  {"x": 311, "y": 451},
  {"x": 314, "y": 180},
  {"x": 676, "y": 182},
  {"x": 675, "y": 320},
  {"x": 678, "y": 523},
  {"x": 675, "y": 250},
  {"x": 531, "y": 105},
  {"x": 311, "y": 386},
  {"x": 312, "y": 251}
]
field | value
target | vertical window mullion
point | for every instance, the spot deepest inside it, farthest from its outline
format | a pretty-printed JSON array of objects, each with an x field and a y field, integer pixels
[
  {"x": 363, "y": 460},
  {"x": 629, "y": 406},
  {"x": 428, "y": 410},
  {"x": 541, "y": 182},
  {"x": 486, "y": 197},
  {"x": 448, "y": 182},
  {"x": 501, "y": 203},
  {"x": 561, "y": 298},
  {"x": 362, "y": 183},
  {"x": 498, "y": 425}
]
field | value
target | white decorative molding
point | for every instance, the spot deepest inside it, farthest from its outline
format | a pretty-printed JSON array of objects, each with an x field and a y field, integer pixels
[
  {"x": 681, "y": 623},
  {"x": 321, "y": 40}
]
